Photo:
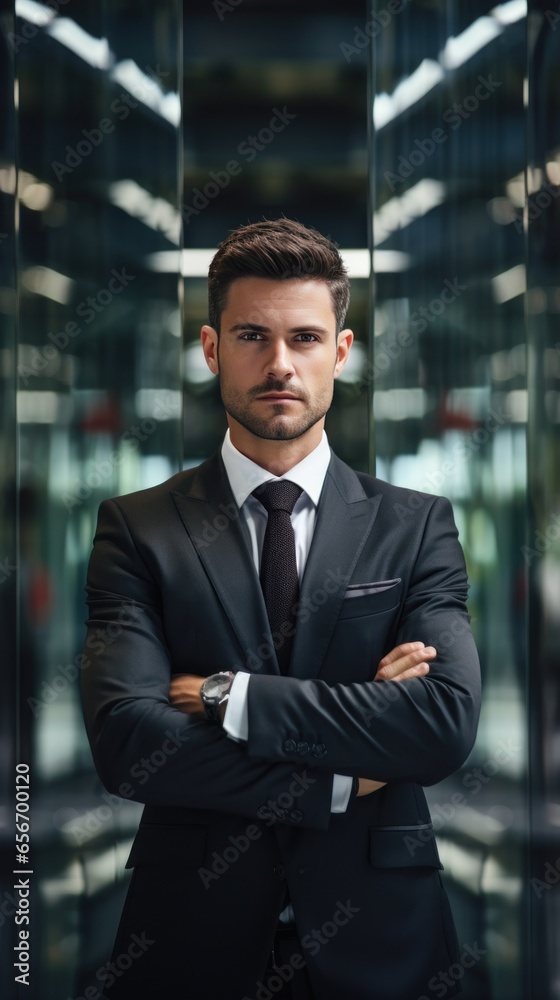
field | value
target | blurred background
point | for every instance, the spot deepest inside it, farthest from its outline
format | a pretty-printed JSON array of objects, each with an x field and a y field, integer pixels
[{"x": 424, "y": 138}]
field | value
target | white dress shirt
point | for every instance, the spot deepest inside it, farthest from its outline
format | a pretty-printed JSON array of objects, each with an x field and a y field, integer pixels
[{"x": 244, "y": 477}]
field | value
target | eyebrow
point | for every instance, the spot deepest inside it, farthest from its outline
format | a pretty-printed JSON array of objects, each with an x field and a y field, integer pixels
[{"x": 255, "y": 328}]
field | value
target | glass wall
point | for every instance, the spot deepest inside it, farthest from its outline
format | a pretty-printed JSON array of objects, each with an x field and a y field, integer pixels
[
  {"x": 464, "y": 372},
  {"x": 541, "y": 551},
  {"x": 289, "y": 139},
  {"x": 423, "y": 137},
  {"x": 97, "y": 182}
]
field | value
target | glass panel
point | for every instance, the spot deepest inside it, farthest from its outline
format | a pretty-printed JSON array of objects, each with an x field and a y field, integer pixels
[
  {"x": 99, "y": 404},
  {"x": 275, "y": 124},
  {"x": 12, "y": 748},
  {"x": 542, "y": 549},
  {"x": 448, "y": 372}
]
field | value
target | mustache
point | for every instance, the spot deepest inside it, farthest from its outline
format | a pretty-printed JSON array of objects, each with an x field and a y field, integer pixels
[{"x": 275, "y": 386}]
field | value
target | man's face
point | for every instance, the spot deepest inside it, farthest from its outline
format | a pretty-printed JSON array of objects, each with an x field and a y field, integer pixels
[{"x": 277, "y": 355}]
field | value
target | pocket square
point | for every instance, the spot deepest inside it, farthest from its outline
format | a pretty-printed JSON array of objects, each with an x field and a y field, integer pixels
[{"x": 364, "y": 589}]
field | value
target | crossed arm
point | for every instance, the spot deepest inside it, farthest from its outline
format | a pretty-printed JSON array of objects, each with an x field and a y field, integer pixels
[
  {"x": 134, "y": 709},
  {"x": 410, "y": 659}
]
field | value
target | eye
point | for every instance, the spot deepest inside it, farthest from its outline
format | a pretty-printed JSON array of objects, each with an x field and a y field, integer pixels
[
  {"x": 251, "y": 335},
  {"x": 306, "y": 338}
]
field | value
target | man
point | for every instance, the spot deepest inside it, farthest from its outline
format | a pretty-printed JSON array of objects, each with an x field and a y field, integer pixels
[{"x": 278, "y": 853}]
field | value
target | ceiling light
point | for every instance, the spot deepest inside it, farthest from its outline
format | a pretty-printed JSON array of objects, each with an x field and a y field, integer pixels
[
  {"x": 51, "y": 284},
  {"x": 94, "y": 51},
  {"x": 408, "y": 92},
  {"x": 509, "y": 284},
  {"x": 400, "y": 211}
]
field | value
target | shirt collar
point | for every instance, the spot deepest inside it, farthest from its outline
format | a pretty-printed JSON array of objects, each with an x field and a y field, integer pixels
[{"x": 245, "y": 475}]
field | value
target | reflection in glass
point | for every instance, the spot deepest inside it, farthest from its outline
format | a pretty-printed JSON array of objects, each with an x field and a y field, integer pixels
[
  {"x": 449, "y": 379},
  {"x": 98, "y": 407}
]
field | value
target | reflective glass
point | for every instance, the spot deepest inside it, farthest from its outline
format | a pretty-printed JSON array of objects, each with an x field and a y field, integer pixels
[
  {"x": 449, "y": 379},
  {"x": 453, "y": 389},
  {"x": 98, "y": 405},
  {"x": 541, "y": 550},
  {"x": 275, "y": 123}
]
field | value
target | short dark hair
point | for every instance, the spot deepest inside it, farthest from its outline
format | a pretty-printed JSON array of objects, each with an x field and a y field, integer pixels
[{"x": 279, "y": 249}]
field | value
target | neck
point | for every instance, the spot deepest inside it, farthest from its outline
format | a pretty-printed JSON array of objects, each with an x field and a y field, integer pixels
[{"x": 277, "y": 457}]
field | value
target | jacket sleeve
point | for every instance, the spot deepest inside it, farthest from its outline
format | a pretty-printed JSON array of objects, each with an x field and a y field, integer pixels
[
  {"x": 137, "y": 738},
  {"x": 420, "y": 729}
]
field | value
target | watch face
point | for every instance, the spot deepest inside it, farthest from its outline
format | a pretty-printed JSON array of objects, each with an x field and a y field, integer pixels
[{"x": 215, "y": 686}]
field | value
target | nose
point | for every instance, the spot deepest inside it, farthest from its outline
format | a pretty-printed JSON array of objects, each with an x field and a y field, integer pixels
[{"x": 279, "y": 364}]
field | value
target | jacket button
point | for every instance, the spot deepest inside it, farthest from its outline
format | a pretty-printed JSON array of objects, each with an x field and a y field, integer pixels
[
  {"x": 319, "y": 750},
  {"x": 303, "y": 748},
  {"x": 290, "y": 746},
  {"x": 296, "y": 815},
  {"x": 279, "y": 871}
]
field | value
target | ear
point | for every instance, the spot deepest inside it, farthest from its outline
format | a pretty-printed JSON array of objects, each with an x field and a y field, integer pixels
[
  {"x": 343, "y": 345},
  {"x": 209, "y": 338}
]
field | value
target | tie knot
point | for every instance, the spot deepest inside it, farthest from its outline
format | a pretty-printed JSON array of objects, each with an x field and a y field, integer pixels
[{"x": 280, "y": 494}]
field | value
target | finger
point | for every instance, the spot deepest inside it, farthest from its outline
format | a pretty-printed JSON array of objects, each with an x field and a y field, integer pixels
[
  {"x": 178, "y": 691},
  {"x": 399, "y": 651},
  {"x": 415, "y": 661},
  {"x": 420, "y": 670}
]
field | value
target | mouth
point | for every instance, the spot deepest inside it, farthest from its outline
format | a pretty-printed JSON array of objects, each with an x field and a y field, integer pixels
[{"x": 279, "y": 397}]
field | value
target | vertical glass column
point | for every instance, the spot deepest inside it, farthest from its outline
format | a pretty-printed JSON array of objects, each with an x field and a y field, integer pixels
[
  {"x": 449, "y": 384},
  {"x": 9, "y": 735},
  {"x": 98, "y": 406},
  {"x": 541, "y": 550}
]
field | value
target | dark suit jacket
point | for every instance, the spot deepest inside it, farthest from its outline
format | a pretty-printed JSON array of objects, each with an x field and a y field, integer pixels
[{"x": 228, "y": 826}]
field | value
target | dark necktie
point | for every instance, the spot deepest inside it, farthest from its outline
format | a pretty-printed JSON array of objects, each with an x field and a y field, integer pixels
[{"x": 279, "y": 579}]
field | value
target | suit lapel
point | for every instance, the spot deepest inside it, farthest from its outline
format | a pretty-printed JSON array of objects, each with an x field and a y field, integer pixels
[
  {"x": 345, "y": 517},
  {"x": 213, "y": 522}
]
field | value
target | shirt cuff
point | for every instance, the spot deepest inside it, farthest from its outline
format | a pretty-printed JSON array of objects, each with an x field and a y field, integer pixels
[
  {"x": 341, "y": 789},
  {"x": 236, "y": 718}
]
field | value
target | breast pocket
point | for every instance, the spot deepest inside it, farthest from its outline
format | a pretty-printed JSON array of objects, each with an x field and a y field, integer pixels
[
  {"x": 403, "y": 847},
  {"x": 364, "y": 631},
  {"x": 370, "y": 598}
]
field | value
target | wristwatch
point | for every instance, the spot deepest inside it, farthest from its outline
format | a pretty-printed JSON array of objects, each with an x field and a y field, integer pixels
[{"x": 214, "y": 691}]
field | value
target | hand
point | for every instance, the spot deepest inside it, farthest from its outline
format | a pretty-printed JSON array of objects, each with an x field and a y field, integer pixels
[
  {"x": 184, "y": 693},
  {"x": 405, "y": 661},
  {"x": 366, "y": 786}
]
